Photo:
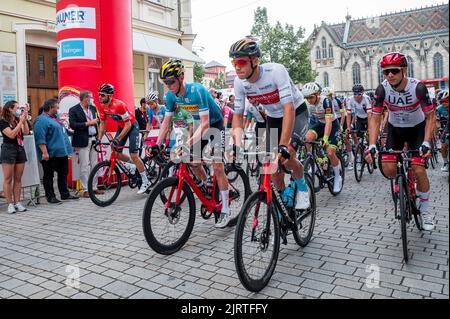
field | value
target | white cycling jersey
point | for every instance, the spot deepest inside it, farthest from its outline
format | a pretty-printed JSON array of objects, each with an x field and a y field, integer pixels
[
  {"x": 322, "y": 110},
  {"x": 406, "y": 108},
  {"x": 272, "y": 90},
  {"x": 360, "y": 109},
  {"x": 256, "y": 111}
]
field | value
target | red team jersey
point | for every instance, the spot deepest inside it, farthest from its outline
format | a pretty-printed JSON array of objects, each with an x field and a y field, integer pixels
[{"x": 118, "y": 111}]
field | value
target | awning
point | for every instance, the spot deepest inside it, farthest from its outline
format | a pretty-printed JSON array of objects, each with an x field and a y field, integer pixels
[{"x": 160, "y": 47}]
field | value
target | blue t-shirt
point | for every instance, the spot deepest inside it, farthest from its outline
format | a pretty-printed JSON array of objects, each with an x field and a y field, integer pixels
[
  {"x": 197, "y": 101},
  {"x": 52, "y": 133}
]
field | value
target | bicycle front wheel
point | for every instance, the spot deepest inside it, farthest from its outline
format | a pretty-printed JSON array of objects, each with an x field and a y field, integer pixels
[
  {"x": 104, "y": 184},
  {"x": 256, "y": 242},
  {"x": 239, "y": 191},
  {"x": 404, "y": 213},
  {"x": 359, "y": 164}
]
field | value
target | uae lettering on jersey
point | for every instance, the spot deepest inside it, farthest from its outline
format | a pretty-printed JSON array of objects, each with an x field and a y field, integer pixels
[{"x": 265, "y": 99}]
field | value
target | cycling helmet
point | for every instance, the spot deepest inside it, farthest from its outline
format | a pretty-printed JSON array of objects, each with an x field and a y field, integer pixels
[
  {"x": 443, "y": 95},
  {"x": 394, "y": 59},
  {"x": 358, "y": 88},
  {"x": 245, "y": 48},
  {"x": 327, "y": 91},
  {"x": 311, "y": 89},
  {"x": 152, "y": 96},
  {"x": 172, "y": 68},
  {"x": 106, "y": 88},
  {"x": 371, "y": 95}
]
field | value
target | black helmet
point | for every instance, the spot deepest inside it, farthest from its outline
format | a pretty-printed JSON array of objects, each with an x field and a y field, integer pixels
[
  {"x": 245, "y": 48},
  {"x": 172, "y": 68},
  {"x": 358, "y": 88},
  {"x": 106, "y": 88}
]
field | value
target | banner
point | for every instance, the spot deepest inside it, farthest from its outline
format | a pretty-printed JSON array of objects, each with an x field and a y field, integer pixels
[{"x": 8, "y": 78}]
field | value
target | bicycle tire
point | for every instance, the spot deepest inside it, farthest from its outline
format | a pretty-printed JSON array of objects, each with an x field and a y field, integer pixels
[
  {"x": 153, "y": 171},
  {"x": 404, "y": 207},
  {"x": 303, "y": 241},
  {"x": 308, "y": 168},
  {"x": 331, "y": 185},
  {"x": 256, "y": 284},
  {"x": 96, "y": 200},
  {"x": 153, "y": 242},
  {"x": 359, "y": 159}
]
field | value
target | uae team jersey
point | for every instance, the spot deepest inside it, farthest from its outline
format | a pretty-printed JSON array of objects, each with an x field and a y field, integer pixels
[
  {"x": 117, "y": 111},
  {"x": 272, "y": 90},
  {"x": 406, "y": 108},
  {"x": 197, "y": 101},
  {"x": 360, "y": 109}
]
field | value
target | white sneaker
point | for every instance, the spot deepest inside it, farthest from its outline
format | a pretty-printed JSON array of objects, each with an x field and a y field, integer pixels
[
  {"x": 302, "y": 200},
  {"x": 144, "y": 188},
  {"x": 11, "y": 209},
  {"x": 427, "y": 221},
  {"x": 337, "y": 184},
  {"x": 223, "y": 221},
  {"x": 20, "y": 208},
  {"x": 445, "y": 167},
  {"x": 350, "y": 166}
]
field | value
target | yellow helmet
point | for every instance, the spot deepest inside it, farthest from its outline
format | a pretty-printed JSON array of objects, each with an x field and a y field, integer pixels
[{"x": 172, "y": 68}]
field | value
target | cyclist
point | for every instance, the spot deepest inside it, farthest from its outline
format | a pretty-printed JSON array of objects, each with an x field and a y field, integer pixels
[
  {"x": 325, "y": 127},
  {"x": 157, "y": 112},
  {"x": 195, "y": 98},
  {"x": 442, "y": 115},
  {"x": 338, "y": 106},
  {"x": 411, "y": 120},
  {"x": 268, "y": 86},
  {"x": 360, "y": 108},
  {"x": 128, "y": 130}
]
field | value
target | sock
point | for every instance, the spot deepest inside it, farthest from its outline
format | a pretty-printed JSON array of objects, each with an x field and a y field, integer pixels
[
  {"x": 225, "y": 198},
  {"x": 337, "y": 170},
  {"x": 446, "y": 160},
  {"x": 424, "y": 203},
  {"x": 144, "y": 178},
  {"x": 301, "y": 185},
  {"x": 350, "y": 156}
]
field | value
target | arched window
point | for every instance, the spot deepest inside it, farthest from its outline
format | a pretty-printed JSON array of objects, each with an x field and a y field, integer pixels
[
  {"x": 318, "y": 54},
  {"x": 410, "y": 67},
  {"x": 326, "y": 80},
  {"x": 356, "y": 73},
  {"x": 330, "y": 51},
  {"x": 324, "y": 48},
  {"x": 438, "y": 63}
]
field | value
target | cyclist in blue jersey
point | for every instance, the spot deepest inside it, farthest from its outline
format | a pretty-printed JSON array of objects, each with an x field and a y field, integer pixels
[{"x": 208, "y": 122}]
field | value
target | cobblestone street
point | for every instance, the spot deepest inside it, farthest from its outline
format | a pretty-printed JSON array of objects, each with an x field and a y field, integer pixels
[{"x": 42, "y": 249}]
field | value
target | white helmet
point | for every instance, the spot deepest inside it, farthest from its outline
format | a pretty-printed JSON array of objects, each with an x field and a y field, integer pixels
[
  {"x": 327, "y": 91},
  {"x": 311, "y": 89},
  {"x": 152, "y": 96}
]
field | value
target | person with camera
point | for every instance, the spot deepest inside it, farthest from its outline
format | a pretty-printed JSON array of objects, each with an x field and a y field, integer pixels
[{"x": 13, "y": 127}]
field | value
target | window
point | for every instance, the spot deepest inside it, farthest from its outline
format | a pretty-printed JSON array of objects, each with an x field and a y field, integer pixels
[
  {"x": 55, "y": 69},
  {"x": 380, "y": 74},
  {"x": 438, "y": 63},
  {"x": 318, "y": 54},
  {"x": 28, "y": 65},
  {"x": 410, "y": 67},
  {"x": 356, "y": 73},
  {"x": 154, "y": 65},
  {"x": 326, "y": 80},
  {"x": 324, "y": 48},
  {"x": 330, "y": 51},
  {"x": 41, "y": 66}
]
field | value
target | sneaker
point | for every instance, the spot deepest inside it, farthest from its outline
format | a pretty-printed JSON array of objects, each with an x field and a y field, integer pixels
[
  {"x": 445, "y": 167},
  {"x": 11, "y": 209},
  {"x": 427, "y": 222},
  {"x": 223, "y": 221},
  {"x": 337, "y": 184},
  {"x": 302, "y": 200},
  {"x": 144, "y": 188},
  {"x": 19, "y": 207},
  {"x": 350, "y": 166},
  {"x": 54, "y": 200}
]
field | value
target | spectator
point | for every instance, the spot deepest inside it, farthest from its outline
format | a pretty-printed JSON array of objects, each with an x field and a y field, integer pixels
[
  {"x": 53, "y": 151},
  {"x": 84, "y": 122},
  {"x": 142, "y": 114},
  {"x": 231, "y": 102},
  {"x": 13, "y": 126}
]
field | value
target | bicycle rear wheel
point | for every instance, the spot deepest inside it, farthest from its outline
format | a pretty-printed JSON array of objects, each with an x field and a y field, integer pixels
[
  {"x": 239, "y": 191},
  {"x": 305, "y": 219},
  {"x": 153, "y": 171},
  {"x": 359, "y": 164},
  {"x": 109, "y": 184},
  {"x": 404, "y": 213},
  {"x": 256, "y": 242},
  {"x": 167, "y": 227},
  {"x": 341, "y": 172}
]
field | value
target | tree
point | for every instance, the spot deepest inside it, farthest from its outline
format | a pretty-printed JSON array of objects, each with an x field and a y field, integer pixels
[
  {"x": 199, "y": 71},
  {"x": 220, "y": 82},
  {"x": 283, "y": 45}
]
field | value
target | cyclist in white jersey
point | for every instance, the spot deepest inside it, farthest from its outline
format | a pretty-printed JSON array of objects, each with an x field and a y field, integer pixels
[
  {"x": 269, "y": 86},
  {"x": 411, "y": 121},
  {"x": 359, "y": 110}
]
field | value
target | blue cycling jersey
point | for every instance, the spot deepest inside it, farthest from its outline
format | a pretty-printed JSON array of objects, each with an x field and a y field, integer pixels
[{"x": 197, "y": 101}]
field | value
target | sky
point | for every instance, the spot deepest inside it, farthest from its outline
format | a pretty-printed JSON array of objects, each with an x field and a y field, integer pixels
[{"x": 219, "y": 23}]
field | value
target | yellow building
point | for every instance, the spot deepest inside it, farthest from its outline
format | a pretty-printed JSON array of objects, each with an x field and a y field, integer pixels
[{"x": 161, "y": 30}]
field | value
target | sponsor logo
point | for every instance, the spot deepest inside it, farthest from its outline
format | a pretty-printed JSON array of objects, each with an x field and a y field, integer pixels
[
  {"x": 75, "y": 18},
  {"x": 265, "y": 99},
  {"x": 77, "y": 49},
  {"x": 190, "y": 108}
]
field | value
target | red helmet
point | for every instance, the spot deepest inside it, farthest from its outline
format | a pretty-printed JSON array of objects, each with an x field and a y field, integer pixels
[{"x": 394, "y": 59}]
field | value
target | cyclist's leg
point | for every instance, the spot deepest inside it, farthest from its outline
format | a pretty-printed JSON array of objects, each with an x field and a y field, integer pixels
[
  {"x": 395, "y": 141},
  {"x": 275, "y": 125},
  {"x": 332, "y": 147},
  {"x": 133, "y": 139},
  {"x": 298, "y": 134}
]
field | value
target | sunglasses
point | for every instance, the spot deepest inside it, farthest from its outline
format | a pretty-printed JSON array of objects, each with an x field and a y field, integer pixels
[
  {"x": 393, "y": 71},
  {"x": 102, "y": 95},
  {"x": 358, "y": 94},
  {"x": 169, "y": 82},
  {"x": 240, "y": 62}
]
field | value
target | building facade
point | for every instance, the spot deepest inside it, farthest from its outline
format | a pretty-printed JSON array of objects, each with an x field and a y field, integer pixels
[
  {"x": 348, "y": 53},
  {"x": 162, "y": 29},
  {"x": 213, "y": 71}
]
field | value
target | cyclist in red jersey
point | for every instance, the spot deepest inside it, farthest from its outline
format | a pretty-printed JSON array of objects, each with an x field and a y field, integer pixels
[{"x": 128, "y": 130}]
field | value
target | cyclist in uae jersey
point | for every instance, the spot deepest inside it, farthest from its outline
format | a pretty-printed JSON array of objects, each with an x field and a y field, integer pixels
[
  {"x": 128, "y": 130},
  {"x": 270, "y": 87},
  {"x": 411, "y": 121},
  {"x": 196, "y": 100},
  {"x": 360, "y": 108},
  {"x": 442, "y": 116}
]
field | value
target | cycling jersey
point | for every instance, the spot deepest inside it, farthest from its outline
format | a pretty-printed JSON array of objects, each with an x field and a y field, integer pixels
[
  {"x": 197, "y": 101},
  {"x": 406, "y": 108},
  {"x": 117, "y": 111},
  {"x": 156, "y": 119},
  {"x": 360, "y": 109},
  {"x": 272, "y": 90},
  {"x": 322, "y": 110},
  {"x": 181, "y": 120},
  {"x": 338, "y": 107},
  {"x": 256, "y": 112},
  {"x": 442, "y": 113}
]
